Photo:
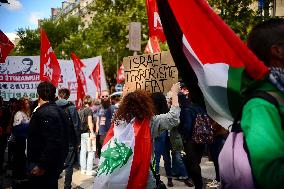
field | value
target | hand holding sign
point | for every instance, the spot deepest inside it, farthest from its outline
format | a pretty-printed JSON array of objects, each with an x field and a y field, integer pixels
[{"x": 175, "y": 90}]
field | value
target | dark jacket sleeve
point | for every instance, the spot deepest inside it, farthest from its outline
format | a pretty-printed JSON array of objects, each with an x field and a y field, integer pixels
[{"x": 76, "y": 122}]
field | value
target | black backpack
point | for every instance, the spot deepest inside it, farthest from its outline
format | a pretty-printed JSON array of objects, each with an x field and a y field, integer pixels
[
  {"x": 202, "y": 130},
  {"x": 84, "y": 120}
]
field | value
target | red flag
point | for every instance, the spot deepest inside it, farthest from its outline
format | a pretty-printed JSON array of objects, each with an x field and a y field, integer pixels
[
  {"x": 152, "y": 46},
  {"x": 81, "y": 81},
  {"x": 209, "y": 54},
  {"x": 5, "y": 47},
  {"x": 96, "y": 77},
  {"x": 120, "y": 75},
  {"x": 49, "y": 66},
  {"x": 154, "y": 21}
]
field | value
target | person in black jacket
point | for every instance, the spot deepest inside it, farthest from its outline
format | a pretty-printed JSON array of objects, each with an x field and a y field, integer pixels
[
  {"x": 74, "y": 133},
  {"x": 192, "y": 150},
  {"x": 47, "y": 140}
]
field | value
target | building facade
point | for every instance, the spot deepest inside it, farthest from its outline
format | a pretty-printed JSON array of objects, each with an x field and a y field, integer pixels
[
  {"x": 71, "y": 8},
  {"x": 279, "y": 8}
]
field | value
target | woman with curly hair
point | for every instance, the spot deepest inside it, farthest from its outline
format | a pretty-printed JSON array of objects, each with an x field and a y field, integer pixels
[{"x": 126, "y": 163}]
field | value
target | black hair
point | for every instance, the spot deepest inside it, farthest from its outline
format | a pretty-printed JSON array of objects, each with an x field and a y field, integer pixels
[
  {"x": 160, "y": 103},
  {"x": 64, "y": 93},
  {"x": 46, "y": 91},
  {"x": 28, "y": 59},
  {"x": 263, "y": 36}
]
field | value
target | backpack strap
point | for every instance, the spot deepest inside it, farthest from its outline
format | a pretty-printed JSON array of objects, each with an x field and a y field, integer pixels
[{"x": 270, "y": 97}]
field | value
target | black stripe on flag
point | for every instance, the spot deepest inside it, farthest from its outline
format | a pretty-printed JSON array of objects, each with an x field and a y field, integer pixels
[{"x": 174, "y": 36}]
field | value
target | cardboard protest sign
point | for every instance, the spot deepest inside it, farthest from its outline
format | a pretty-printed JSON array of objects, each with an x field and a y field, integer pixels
[{"x": 152, "y": 72}]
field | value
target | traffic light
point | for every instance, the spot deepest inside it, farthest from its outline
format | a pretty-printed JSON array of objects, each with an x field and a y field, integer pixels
[{"x": 134, "y": 36}]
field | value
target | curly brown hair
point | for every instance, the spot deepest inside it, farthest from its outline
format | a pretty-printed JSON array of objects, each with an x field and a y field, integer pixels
[{"x": 137, "y": 104}]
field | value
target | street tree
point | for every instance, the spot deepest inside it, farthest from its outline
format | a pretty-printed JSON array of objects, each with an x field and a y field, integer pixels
[{"x": 240, "y": 15}]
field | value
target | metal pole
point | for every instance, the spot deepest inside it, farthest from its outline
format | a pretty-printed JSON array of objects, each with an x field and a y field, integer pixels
[
  {"x": 117, "y": 63},
  {"x": 274, "y": 8}
]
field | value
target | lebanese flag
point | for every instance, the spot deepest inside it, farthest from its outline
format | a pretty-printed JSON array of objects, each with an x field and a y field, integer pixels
[
  {"x": 208, "y": 53},
  {"x": 154, "y": 21},
  {"x": 120, "y": 75},
  {"x": 96, "y": 77},
  {"x": 5, "y": 47},
  {"x": 49, "y": 66},
  {"x": 152, "y": 46},
  {"x": 125, "y": 158},
  {"x": 81, "y": 81}
]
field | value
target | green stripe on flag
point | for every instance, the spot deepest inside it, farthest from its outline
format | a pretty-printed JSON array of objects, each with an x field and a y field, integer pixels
[{"x": 235, "y": 79}]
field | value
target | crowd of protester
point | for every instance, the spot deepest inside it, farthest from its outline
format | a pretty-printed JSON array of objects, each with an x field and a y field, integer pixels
[
  {"x": 44, "y": 137},
  {"x": 87, "y": 129}
]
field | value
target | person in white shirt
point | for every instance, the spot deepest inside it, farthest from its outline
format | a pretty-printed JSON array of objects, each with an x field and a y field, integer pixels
[{"x": 19, "y": 132}]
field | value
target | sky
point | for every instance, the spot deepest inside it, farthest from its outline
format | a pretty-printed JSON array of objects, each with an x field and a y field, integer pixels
[{"x": 24, "y": 14}]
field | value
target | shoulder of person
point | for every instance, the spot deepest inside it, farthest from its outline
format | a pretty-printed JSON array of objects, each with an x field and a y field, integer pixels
[{"x": 71, "y": 106}]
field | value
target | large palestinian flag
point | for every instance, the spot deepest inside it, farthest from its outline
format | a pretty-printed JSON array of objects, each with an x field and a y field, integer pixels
[
  {"x": 125, "y": 158},
  {"x": 208, "y": 53}
]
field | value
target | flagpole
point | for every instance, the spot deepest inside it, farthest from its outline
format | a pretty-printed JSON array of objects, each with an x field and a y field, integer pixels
[{"x": 117, "y": 64}]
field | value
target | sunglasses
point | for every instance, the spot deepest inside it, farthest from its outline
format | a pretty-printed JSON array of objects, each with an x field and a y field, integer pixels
[{"x": 106, "y": 96}]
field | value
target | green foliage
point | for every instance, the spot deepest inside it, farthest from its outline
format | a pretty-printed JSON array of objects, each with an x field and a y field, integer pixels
[
  {"x": 29, "y": 42},
  {"x": 238, "y": 14},
  {"x": 57, "y": 32},
  {"x": 107, "y": 34}
]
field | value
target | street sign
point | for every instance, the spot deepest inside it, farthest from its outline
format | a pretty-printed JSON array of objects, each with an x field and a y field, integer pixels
[{"x": 118, "y": 87}]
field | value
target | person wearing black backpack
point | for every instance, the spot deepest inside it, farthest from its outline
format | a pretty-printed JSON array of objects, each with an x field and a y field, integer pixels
[
  {"x": 73, "y": 133},
  {"x": 193, "y": 150}
]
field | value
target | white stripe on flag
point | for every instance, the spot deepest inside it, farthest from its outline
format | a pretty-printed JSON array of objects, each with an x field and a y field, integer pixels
[{"x": 212, "y": 80}]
